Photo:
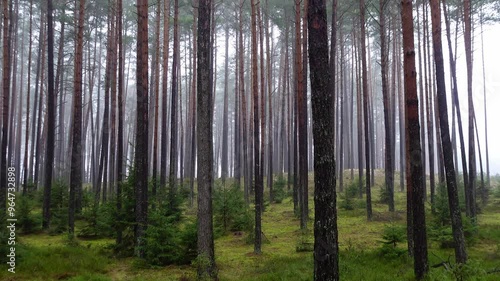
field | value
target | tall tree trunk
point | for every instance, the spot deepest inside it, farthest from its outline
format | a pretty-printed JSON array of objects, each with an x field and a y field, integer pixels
[
  {"x": 59, "y": 83},
  {"x": 172, "y": 175},
  {"x": 49, "y": 152},
  {"x": 485, "y": 109},
  {"x": 243, "y": 101},
  {"x": 112, "y": 139},
  {"x": 389, "y": 170},
  {"x": 456, "y": 219},
  {"x": 156, "y": 78},
  {"x": 301, "y": 120},
  {"x": 119, "y": 148},
  {"x": 141, "y": 156},
  {"x": 164, "y": 109},
  {"x": 225, "y": 125},
  {"x": 5, "y": 103},
  {"x": 470, "y": 192},
  {"x": 25, "y": 161},
  {"x": 455, "y": 100},
  {"x": 359, "y": 117},
  {"x": 207, "y": 268},
  {"x": 325, "y": 226},
  {"x": 365, "y": 109},
  {"x": 256, "y": 144},
  {"x": 269, "y": 81},
  {"x": 237, "y": 118},
  {"x": 415, "y": 177},
  {"x": 76, "y": 151},
  {"x": 193, "y": 111}
]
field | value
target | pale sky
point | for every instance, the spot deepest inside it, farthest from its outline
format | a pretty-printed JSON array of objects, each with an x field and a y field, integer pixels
[{"x": 492, "y": 70}]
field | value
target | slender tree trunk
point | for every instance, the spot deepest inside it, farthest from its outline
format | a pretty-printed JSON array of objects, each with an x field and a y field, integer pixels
[
  {"x": 141, "y": 156},
  {"x": 243, "y": 102},
  {"x": 49, "y": 152},
  {"x": 456, "y": 219},
  {"x": 237, "y": 118},
  {"x": 207, "y": 268},
  {"x": 415, "y": 187},
  {"x": 225, "y": 125},
  {"x": 456, "y": 104},
  {"x": 365, "y": 109},
  {"x": 173, "y": 114},
  {"x": 470, "y": 192},
  {"x": 25, "y": 161},
  {"x": 389, "y": 170},
  {"x": 163, "y": 145},
  {"x": 301, "y": 120},
  {"x": 485, "y": 110},
  {"x": 269, "y": 81},
  {"x": 156, "y": 87},
  {"x": 76, "y": 151},
  {"x": 119, "y": 148},
  {"x": 5, "y": 103},
  {"x": 256, "y": 139}
]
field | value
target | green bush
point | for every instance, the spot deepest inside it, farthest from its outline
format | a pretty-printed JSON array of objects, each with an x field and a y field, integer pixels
[
  {"x": 351, "y": 191},
  {"x": 100, "y": 221},
  {"x": 59, "y": 208},
  {"x": 27, "y": 221},
  {"x": 441, "y": 216},
  {"x": 231, "y": 213},
  {"x": 279, "y": 192},
  {"x": 496, "y": 192},
  {"x": 392, "y": 235},
  {"x": 444, "y": 234},
  {"x": 169, "y": 242},
  {"x": 384, "y": 195}
]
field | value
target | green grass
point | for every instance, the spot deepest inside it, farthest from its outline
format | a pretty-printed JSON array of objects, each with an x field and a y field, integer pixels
[{"x": 45, "y": 257}]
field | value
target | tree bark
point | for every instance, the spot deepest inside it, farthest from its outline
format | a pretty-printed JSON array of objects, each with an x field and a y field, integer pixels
[
  {"x": 173, "y": 113},
  {"x": 49, "y": 152},
  {"x": 5, "y": 103},
  {"x": 365, "y": 110},
  {"x": 141, "y": 144},
  {"x": 76, "y": 151},
  {"x": 28, "y": 95},
  {"x": 163, "y": 145},
  {"x": 389, "y": 170},
  {"x": 470, "y": 192},
  {"x": 415, "y": 177},
  {"x": 206, "y": 264},
  {"x": 325, "y": 220},
  {"x": 456, "y": 219},
  {"x": 258, "y": 188}
]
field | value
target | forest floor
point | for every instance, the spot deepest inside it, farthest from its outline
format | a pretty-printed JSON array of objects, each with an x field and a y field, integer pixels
[{"x": 46, "y": 257}]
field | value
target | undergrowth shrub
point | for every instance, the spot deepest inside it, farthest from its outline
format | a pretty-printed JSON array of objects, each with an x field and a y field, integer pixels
[
  {"x": 26, "y": 219},
  {"x": 349, "y": 195},
  {"x": 231, "y": 213},
  {"x": 392, "y": 235},
  {"x": 279, "y": 192},
  {"x": 168, "y": 241},
  {"x": 169, "y": 238},
  {"x": 384, "y": 195},
  {"x": 443, "y": 234},
  {"x": 441, "y": 214},
  {"x": 100, "y": 221},
  {"x": 496, "y": 192},
  {"x": 59, "y": 208},
  {"x": 305, "y": 243}
]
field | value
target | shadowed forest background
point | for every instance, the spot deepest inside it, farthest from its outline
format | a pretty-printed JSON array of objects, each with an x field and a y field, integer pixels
[{"x": 249, "y": 140}]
